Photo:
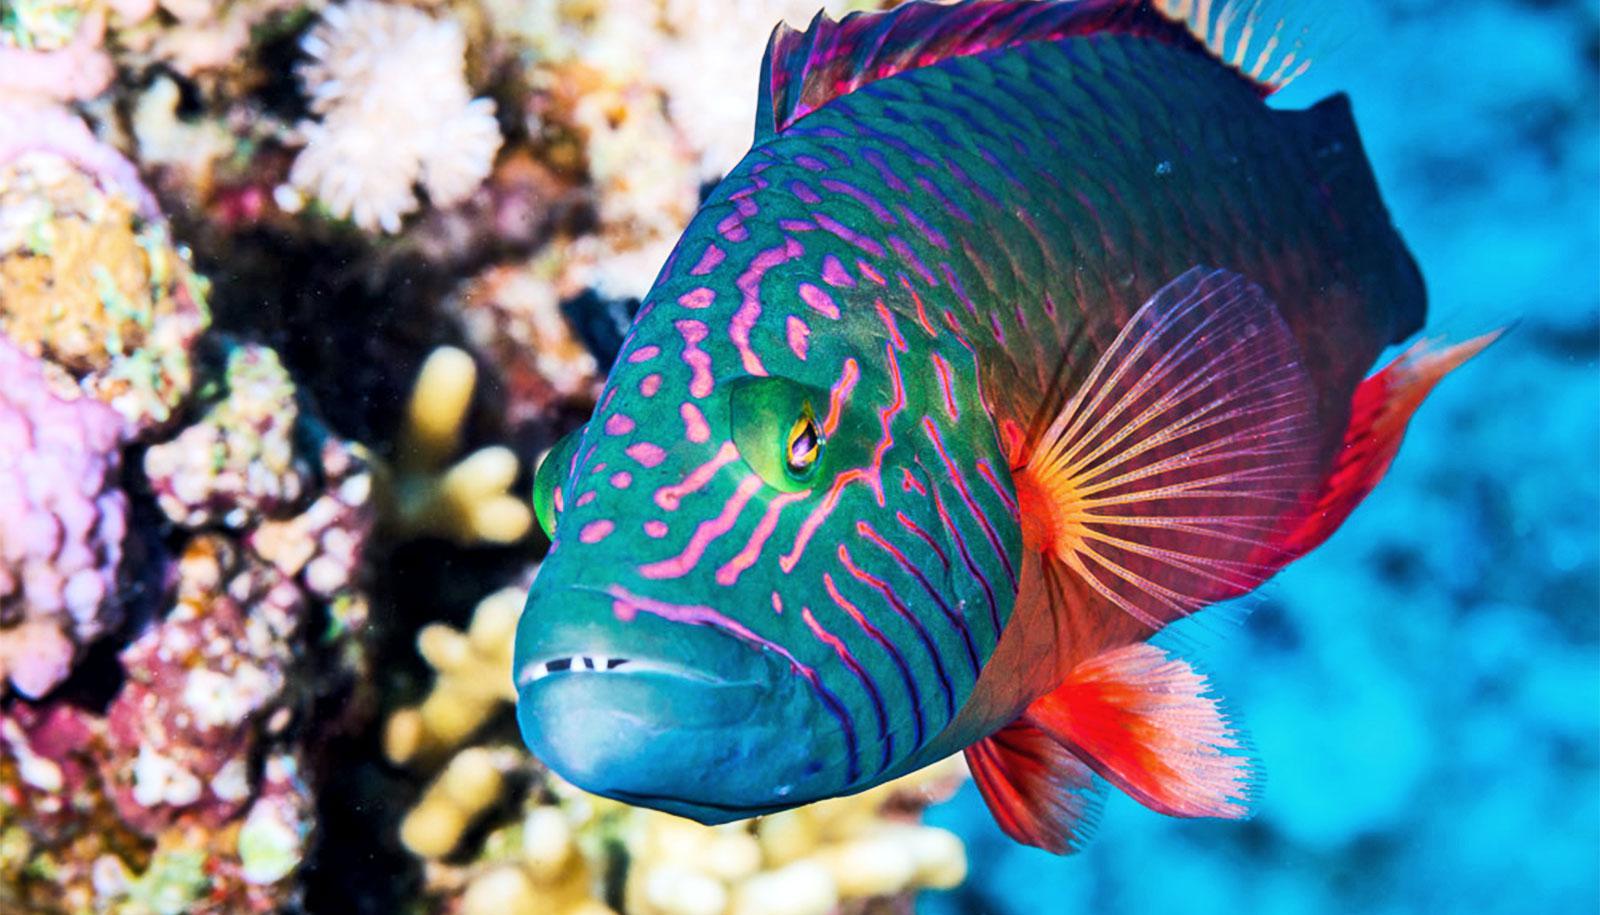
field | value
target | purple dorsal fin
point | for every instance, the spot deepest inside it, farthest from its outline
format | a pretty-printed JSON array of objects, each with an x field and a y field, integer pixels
[{"x": 802, "y": 71}]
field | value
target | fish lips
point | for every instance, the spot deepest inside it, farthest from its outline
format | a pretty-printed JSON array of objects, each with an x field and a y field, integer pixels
[{"x": 682, "y": 717}]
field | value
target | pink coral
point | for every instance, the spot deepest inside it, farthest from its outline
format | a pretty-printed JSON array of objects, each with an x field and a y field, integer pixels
[
  {"x": 62, "y": 523},
  {"x": 80, "y": 69}
]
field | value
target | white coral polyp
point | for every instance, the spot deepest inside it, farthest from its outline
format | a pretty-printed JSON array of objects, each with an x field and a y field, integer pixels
[{"x": 395, "y": 111}]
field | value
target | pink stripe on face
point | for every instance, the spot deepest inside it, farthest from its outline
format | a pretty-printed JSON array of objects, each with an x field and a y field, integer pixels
[
  {"x": 749, "y": 283},
  {"x": 747, "y": 557},
  {"x": 694, "y": 423},
  {"x": 839, "y": 395},
  {"x": 706, "y": 534},
  {"x": 644, "y": 354},
  {"x": 796, "y": 331},
  {"x": 698, "y": 360},
  {"x": 649, "y": 385},
  {"x": 669, "y": 497},
  {"x": 619, "y": 424},
  {"x": 645, "y": 453},
  {"x": 708, "y": 261},
  {"x": 596, "y": 531}
]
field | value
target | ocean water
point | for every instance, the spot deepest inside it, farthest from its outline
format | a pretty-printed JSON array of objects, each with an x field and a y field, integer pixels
[{"x": 1424, "y": 690}]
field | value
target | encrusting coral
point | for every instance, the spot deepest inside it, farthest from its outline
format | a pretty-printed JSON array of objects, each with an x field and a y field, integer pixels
[
  {"x": 62, "y": 523},
  {"x": 90, "y": 278},
  {"x": 466, "y": 501},
  {"x": 395, "y": 112}
]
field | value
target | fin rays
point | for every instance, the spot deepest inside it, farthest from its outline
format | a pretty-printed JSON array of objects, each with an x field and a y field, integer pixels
[{"x": 1163, "y": 480}]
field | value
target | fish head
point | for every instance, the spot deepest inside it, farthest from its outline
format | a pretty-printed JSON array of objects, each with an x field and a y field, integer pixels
[{"x": 752, "y": 599}]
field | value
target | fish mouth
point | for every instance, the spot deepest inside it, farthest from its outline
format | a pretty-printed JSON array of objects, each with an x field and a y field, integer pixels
[{"x": 534, "y": 671}]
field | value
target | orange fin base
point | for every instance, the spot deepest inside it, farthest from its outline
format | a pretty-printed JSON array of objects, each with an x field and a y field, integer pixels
[
  {"x": 1379, "y": 413},
  {"x": 1039, "y": 793},
  {"x": 1145, "y": 721}
]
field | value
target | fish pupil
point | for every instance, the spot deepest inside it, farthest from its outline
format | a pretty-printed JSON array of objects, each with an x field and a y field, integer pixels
[{"x": 805, "y": 443}]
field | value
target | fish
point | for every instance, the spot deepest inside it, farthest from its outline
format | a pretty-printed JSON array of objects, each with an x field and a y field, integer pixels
[{"x": 1025, "y": 329}]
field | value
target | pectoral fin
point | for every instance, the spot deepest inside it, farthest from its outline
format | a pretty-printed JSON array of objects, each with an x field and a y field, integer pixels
[{"x": 1164, "y": 481}]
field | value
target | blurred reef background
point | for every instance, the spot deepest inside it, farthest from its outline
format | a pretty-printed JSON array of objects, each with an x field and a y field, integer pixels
[{"x": 293, "y": 295}]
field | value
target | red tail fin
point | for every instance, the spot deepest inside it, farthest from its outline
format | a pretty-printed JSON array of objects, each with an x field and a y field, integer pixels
[{"x": 1382, "y": 407}]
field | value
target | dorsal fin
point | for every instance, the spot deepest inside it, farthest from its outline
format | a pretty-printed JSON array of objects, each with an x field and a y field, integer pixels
[{"x": 802, "y": 71}]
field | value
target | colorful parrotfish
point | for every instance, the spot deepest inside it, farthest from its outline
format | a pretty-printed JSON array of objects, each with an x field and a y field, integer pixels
[{"x": 1023, "y": 330}]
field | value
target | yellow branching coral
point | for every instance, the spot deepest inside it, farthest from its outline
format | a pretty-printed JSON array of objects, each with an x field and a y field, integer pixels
[
  {"x": 474, "y": 680},
  {"x": 468, "y": 501}
]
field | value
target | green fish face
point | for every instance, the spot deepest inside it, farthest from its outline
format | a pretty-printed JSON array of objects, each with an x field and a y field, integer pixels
[{"x": 785, "y": 544}]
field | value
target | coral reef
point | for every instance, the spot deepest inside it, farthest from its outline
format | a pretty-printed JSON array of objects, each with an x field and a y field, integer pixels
[
  {"x": 62, "y": 523},
  {"x": 89, "y": 274},
  {"x": 395, "y": 112}
]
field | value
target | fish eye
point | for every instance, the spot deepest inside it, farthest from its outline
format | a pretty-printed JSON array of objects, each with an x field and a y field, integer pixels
[
  {"x": 804, "y": 444},
  {"x": 547, "y": 479},
  {"x": 776, "y": 431}
]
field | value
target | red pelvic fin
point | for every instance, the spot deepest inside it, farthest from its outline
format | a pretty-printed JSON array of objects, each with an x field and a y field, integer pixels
[
  {"x": 1165, "y": 479},
  {"x": 1145, "y": 721},
  {"x": 1039, "y": 793},
  {"x": 1379, "y": 412}
]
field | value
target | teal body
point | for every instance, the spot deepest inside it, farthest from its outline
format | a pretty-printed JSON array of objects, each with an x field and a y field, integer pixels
[{"x": 923, "y": 266}]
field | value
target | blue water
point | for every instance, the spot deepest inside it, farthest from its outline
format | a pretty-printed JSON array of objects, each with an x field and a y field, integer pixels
[{"x": 1424, "y": 690}]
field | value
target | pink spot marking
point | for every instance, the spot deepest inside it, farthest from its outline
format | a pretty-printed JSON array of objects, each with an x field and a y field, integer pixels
[
  {"x": 694, "y": 423},
  {"x": 586, "y": 498},
  {"x": 796, "y": 331},
  {"x": 732, "y": 228},
  {"x": 747, "y": 557},
  {"x": 699, "y": 297},
  {"x": 797, "y": 225},
  {"x": 596, "y": 531},
  {"x": 803, "y": 191},
  {"x": 705, "y": 534},
  {"x": 646, "y": 453},
  {"x": 934, "y": 236},
  {"x": 811, "y": 163},
  {"x": 749, "y": 283},
  {"x": 839, "y": 395},
  {"x": 598, "y": 468},
  {"x": 619, "y": 424},
  {"x": 876, "y": 207},
  {"x": 670, "y": 497},
  {"x": 869, "y": 273},
  {"x": 644, "y": 354},
  {"x": 649, "y": 385},
  {"x": 819, "y": 300},
  {"x": 708, "y": 261},
  {"x": 777, "y": 604},
  {"x": 655, "y": 529},
  {"x": 942, "y": 369},
  {"x": 834, "y": 274},
  {"x": 622, "y": 479},
  {"x": 698, "y": 360}
]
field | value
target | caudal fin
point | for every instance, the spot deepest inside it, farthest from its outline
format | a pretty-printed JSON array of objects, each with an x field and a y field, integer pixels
[{"x": 1379, "y": 413}]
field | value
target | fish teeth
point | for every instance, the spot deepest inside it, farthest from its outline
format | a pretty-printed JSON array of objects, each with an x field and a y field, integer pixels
[{"x": 538, "y": 670}]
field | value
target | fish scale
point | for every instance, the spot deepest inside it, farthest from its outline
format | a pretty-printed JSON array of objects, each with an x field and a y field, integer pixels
[{"x": 934, "y": 253}]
